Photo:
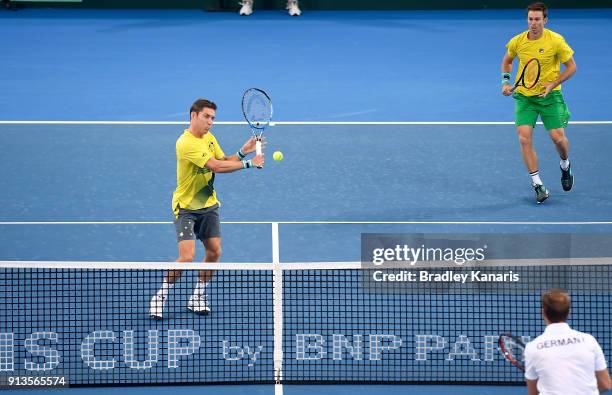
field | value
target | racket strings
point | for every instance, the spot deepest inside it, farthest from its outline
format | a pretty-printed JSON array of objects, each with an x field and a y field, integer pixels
[
  {"x": 532, "y": 74},
  {"x": 513, "y": 349},
  {"x": 257, "y": 109}
]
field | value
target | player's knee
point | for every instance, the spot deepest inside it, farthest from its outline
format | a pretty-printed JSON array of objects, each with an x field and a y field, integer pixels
[
  {"x": 173, "y": 275},
  {"x": 213, "y": 253},
  {"x": 186, "y": 256},
  {"x": 557, "y": 136},
  {"x": 186, "y": 251},
  {"x": 525, "y": 141}
]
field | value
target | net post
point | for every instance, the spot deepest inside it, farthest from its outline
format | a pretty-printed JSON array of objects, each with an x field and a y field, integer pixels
[{"x": 278, "y": 307}]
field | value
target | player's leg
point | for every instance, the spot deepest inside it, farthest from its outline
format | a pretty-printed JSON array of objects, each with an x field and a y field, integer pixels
[
  {"x": 213, "y": 249},
  {"x": 184, "y": 226},
  {"x": 526, "y": 116},
  {"x": 555, "y": 116},
  {"x": 528, "y": 153},
  {"x": 210, "y": 235},
  {"x": 530, "y": 158},
  {"x": 562, "y": 144},
  {"x": 213, "y": 253}
]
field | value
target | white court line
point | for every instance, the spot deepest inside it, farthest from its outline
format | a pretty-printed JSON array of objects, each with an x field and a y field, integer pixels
[
  {"x": 447, "y": 222},
  {"x": 392, "y": 123},
  {"x": 131, "y": 265},
  {"x": 329, "y": 123},
  {"x": 278, "y": 311},
  {"x": 275, "y": 243},
  {"x": 102, "y": 123},
  {"x": 121, "y": 223},
  {"x": 318, "y": 223},
  {"x": 294, "y": 266}
]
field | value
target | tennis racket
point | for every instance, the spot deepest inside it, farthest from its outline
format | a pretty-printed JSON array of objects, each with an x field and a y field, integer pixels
[
  {"x": 513, "y": 349},
  {"x": 257, "y": 110},
  {"x": 530, "y": 75}
]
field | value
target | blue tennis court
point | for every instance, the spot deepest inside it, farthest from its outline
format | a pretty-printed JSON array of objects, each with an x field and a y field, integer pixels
[{"x": 390, "y": 122}]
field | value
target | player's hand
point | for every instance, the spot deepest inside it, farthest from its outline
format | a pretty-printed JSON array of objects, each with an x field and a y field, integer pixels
[
  {"x": 250, "y": 144},
  {"x": 258, "y": 161},
  {"x": 506, "y": 90},
  {"x": 547, "y": 87}
]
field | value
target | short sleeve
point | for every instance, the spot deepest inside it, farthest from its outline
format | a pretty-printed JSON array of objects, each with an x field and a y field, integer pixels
[
  {"x": 512, "y": 46},
  {"x": 600, "y": 359},
  {"x": 192, "y": 155},
  {"x": 564, "y": 51},
  {"x": 530, "y": 372}
]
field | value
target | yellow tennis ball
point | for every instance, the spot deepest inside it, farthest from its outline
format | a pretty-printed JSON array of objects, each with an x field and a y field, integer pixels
[{"x": 277, "y": 155}]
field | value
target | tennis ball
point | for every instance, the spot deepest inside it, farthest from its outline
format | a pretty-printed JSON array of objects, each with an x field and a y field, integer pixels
[{"x": 277, "y": 155}]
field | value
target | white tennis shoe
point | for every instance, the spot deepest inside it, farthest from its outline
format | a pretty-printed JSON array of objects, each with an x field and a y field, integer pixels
[
  {"x": 156, "y": 309},
  {"x": 199, "y": 304}
]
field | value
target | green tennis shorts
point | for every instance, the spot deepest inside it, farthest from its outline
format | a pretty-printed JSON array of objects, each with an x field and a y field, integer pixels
[{"x": 552, "y": 109}]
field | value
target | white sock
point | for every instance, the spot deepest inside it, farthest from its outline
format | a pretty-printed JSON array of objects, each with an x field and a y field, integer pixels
[
  {"x": 564, "y": 164},
  {"x": 535, "y": 178},
  {"x": 165, "y": 289},
  {"x": 200, "y": 288}
]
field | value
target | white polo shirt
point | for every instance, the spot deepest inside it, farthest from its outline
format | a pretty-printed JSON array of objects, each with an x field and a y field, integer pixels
[{"x": 564, "y": 361}]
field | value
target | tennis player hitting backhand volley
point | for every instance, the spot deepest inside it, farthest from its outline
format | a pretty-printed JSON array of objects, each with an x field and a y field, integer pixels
[{"x": 194, "y": 202}]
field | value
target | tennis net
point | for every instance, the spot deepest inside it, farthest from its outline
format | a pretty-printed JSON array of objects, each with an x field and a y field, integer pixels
[{"x": 310, "y": 322}]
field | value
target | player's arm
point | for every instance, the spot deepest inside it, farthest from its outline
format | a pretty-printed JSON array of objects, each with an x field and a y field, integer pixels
[
  {"x": 506, "y": 69},
  {"x": 604, "y": 383},
  {"x": 221, "y": 165},
  {"x": 531, "y": 377},
  {"x": 228, "y": 166},
  {"x": 532, "y": 387},
  {"x": 601, "y": 369}
]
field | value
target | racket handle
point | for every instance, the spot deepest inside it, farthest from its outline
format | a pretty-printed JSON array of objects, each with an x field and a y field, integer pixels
[{"x": 258, "y": 147}]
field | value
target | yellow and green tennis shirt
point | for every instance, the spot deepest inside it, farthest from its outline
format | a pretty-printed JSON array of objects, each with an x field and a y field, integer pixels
[
  {"x": 550, "y": 49},
  {"x": 194, "y": 189}
]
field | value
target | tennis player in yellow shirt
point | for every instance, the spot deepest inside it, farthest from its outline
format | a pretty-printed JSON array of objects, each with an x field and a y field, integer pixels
[
  {"x": 545, "y": 98},
  {"x": 194, "y": 202}
]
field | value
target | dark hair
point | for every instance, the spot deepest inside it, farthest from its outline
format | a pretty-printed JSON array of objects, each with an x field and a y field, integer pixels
[
  {"x": 556, "y": 305},
  {"x": 539, "y": 6},
  {"x": 201, "y": 104}
]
